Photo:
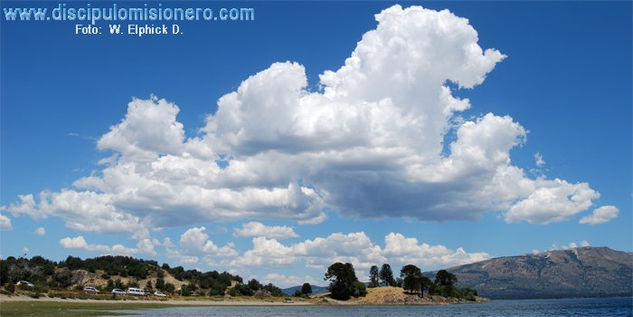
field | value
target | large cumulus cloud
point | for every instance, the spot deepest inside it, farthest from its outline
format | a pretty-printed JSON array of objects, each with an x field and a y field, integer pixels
[{"x": 371, "y": 143}]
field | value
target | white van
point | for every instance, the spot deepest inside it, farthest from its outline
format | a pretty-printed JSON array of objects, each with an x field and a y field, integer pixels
[{"x": 136, "y": 291}]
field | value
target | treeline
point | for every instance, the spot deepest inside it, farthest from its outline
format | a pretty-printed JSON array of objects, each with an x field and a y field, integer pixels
[
  {"x": 344, "y": 284},
  {"x": 413, "y": 281},
  {"x": 47, "y": 274}
]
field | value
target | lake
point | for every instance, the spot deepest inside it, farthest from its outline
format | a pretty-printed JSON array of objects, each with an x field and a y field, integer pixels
[{"x": 542, "y": 307}]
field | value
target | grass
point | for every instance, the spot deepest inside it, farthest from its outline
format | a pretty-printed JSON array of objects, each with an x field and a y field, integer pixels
[{"x": 70, "y": 309}]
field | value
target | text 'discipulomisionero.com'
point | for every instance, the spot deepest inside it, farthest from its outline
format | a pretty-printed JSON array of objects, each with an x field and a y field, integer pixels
[{"x": 154, "y": 13}]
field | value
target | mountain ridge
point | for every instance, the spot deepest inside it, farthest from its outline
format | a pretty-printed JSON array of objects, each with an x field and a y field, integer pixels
[{"x": 575, "y": 272}]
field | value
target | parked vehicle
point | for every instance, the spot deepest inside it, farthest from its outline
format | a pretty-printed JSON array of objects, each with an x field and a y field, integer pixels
[
  {"x": 118, "y": 291},
  {"x": 159, "y": 294},
  {"x": 91, "y": 290},
  {"x": 25, "y": 283},
  {"x": 136, "y": 291}
]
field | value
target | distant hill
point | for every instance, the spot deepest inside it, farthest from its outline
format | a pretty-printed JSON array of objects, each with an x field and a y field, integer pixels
[
  {"x": 110, "y": 272},
  {"x": 578, "y": 272},
  {"x": 315, "y": 289}
]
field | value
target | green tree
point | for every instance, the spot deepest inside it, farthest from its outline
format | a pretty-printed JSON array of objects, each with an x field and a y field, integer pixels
[
  {"x": 110, "y": 285},
  {"x": 342, "y": 279},
  {"x": 255, "y": 285},
  {"x": 119, "y": 284},
  {"x": 4, "y": 272},
  {"x": 411, "y": 278},
  {"x": 444, "y": 284},
  {"x": 160, "y": 284},
  {"x": 243, "y": 289},
  {"x": 373, "y": 276},
  {"x": 445, "y": 278},
  {"x": 63, "y": 278},
  {"x": 306, "y": 288},
  {"x": 426, "y": 284},
  {"x": 386, "y": 275},
  {"x": 359, "y": 289},
  {"x": 274, "y": 290}
]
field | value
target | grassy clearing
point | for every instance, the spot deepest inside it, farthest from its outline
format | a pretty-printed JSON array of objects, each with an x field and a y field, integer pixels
[{"x": 70, "y": 309}]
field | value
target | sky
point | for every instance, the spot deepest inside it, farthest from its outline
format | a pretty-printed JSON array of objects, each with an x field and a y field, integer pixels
[{"x": 431, "y": 133}]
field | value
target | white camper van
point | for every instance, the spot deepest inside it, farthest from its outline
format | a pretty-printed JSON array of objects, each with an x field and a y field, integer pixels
[{"x": 136, "y": 291}]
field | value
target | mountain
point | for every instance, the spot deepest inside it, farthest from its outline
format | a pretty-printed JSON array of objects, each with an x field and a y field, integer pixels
[
  {"x": 577, "y": 272},
  {"x": 315, "y": 289}
]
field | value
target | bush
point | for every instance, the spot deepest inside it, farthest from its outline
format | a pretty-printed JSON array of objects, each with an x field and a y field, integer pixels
[
  {"x": 215, "y": 292},
  {"x": 63, "y": 279},
  {"x": 359, "y": 289},
  {"x": 243, "y": 289},
  {"x": 274, "y": 290}
]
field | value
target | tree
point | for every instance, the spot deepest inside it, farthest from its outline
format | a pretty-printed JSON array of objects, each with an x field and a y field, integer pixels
[
  {"x": 445, "y": 278},
  {"x": 343, "y": 281},
  {"x": 274, "y": 290},
  {"x": 4, "y": 272},
  {"x": 110, "y": 285},
  {"x": 444, "y": 284},
  {"x": 359, "y": 289},
  {"x": 426, "y": 284},
  {"x": 373, "y": 276},
  {"x": 63, "y": 278},
  {"x": 411, "y": 278},
  {"x": 255, "y": 285},
  {"x": 386, "y": 275},
  {"x": 118, "y": 283},
  {"x": 160, "y": 284},
  {"x": 306, "y": 288},
  {"x": 243, "y": 289}
]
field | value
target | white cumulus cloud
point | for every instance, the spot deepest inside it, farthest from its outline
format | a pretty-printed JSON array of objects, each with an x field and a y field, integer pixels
[
  {"x": 258, "y": 229},
  {"x": 283, "y": 280},
  {"x": 79, "y": 242},
  {"x": 571, "y": 245},
  {"x": 372, "y": 143},
  {"x": 40, "y": 231},
  {"x": 402, "y": 250},
  {"x": 5, "y": 223},
  {"x": 195, "y": 243},
  {"x": 600, "y": 215},
  {"x": 356, "y": 248},
  {"x": 538, "y": 159}
]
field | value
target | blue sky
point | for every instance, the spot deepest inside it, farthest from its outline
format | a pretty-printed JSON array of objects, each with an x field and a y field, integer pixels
[{"x": 566, "y": 81}]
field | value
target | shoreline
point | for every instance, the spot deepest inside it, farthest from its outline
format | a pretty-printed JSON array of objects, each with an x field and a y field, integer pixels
[
  {"x": 166, "y": 302},
  {"x": 240, "y": 301}
]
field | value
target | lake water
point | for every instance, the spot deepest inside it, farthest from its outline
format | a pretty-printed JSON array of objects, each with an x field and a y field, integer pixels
[{"x": 532, "y": 308}]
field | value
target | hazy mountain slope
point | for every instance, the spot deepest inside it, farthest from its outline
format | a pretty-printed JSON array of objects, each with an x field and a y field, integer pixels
[
  {"x": 585, "y": 271},
  {"x": 315, "y": 289}
]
